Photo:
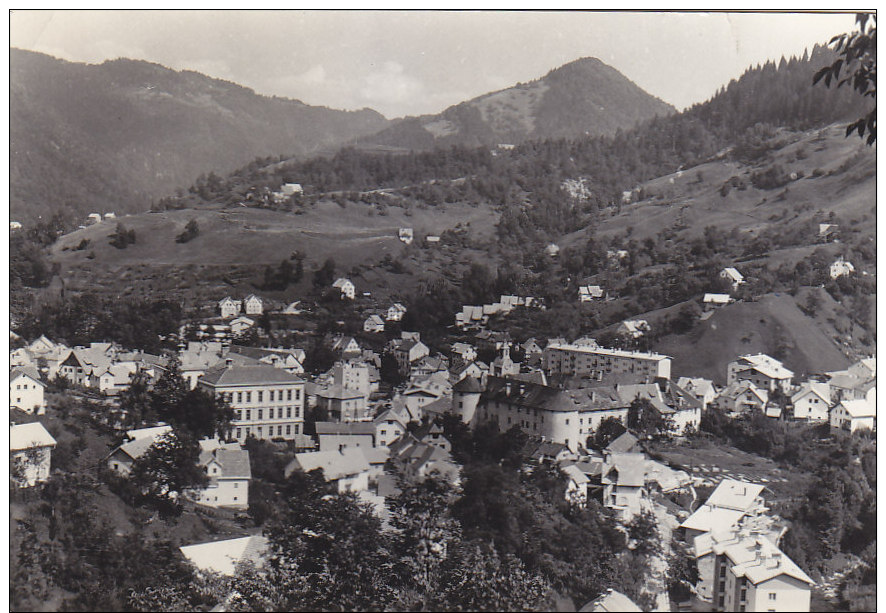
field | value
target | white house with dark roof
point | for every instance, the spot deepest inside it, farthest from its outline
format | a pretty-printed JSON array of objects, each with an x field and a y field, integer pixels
[
  {"x": 268, "y": 402},
  {"x": 120, "y": 460},
  {"x": 26, "y": 390},
  {"x": 30, "y": 451},
  {"x": 374, "y": 324},
  {"x": 228, "y": 307},
  {"x": 229, "y": 471},
  {"x": 395, "y": 312},
  {"x": 742, "y": 396}
]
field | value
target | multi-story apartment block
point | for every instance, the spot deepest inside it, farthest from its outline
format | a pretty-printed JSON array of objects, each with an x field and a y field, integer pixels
[
  {"x": 268, "y": 402},
  {"x": 754, "y": 575},
  {"x": 605, "y": 365}
]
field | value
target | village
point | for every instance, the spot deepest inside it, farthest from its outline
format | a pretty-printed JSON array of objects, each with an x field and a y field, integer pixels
[{"x": 592, "y": 412}]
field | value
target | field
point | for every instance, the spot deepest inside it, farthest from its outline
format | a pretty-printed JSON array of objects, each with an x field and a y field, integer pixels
[{"x": 708, "y": 464}]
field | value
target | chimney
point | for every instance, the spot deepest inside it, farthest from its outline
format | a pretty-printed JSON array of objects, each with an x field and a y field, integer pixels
[{"x": 228, "y": 362}]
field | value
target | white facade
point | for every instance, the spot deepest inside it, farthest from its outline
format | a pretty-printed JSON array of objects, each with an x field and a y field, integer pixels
[
  {"x": 26, "y": 393},
  {"x": 346, "y": 287},
  {"x": 841, "y": 267},
  {"x": 228, "y": 307},
  {"x": 600, "y": 363},
  {"x": 252, "y": 305},
  {"x": 852, "y": 415},
  {"x": 30, "y": 451}
]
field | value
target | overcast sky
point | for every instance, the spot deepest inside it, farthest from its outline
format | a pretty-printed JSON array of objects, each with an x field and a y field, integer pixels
[{"x": 410, "y": 63}]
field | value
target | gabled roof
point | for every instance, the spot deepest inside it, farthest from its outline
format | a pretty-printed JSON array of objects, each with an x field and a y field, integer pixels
[
  {"x": 468, "y": 385},
  {"x": 822, "y": 390},
  {"x": 224, "y": 556},
  {"x": 622, "y": 444},
  {"x": 766, "y": 365},
  {"x": 28, "y": 436},
  {"x": 708, "y": 518},
  {"x": 575, "y": 474},
  {"x": 758, "y": 559},
  {"x": 234, "y": 462},
  {"x": 389, "y": 415},
  {"x": 152, "y": 432},
  {"x": 375, "y": 320},
  {"x": 859, "y": 408},
  {"x": 717, "y": 298},
  {"x": 630, "y": 468},
  {"x": 610, "y": 601},
  {"x": 341, "y": 282},
  {"x": 25, "y": 371},
  {"x": 733, "y": 274}
]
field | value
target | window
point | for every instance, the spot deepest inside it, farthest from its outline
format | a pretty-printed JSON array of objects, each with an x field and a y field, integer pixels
[
  {"x": 567, "y": 421},
  {"x": 239, "y": 397},
  {"x": 722, "y": 571},
  {"x": 297, "y": 394},
  {"x": 772, "y": 595},
  {"x": 383, "y": 432},
  {"x": 288, "y": 411},
  {"x": 238, "y": 433},
  {"x": 236, "y": 485},
  {"x": 18, "y": 387},
  {"x": 259, "y": 414},
  {"x": 722, "y": 598},
  {"x": 259, "y": 432},
  {"x": 289, "y": 394},
  {"x": 248, "y": 416},
  {"x": 259, "y": 394},
  {"x": 279, "y": 430},
  {"x": 116, "y": 466}
]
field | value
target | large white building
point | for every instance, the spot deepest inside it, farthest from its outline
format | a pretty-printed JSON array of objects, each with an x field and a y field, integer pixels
[
  {"x": 604, "y": 364},
  {"x": 268, "y": 402}
]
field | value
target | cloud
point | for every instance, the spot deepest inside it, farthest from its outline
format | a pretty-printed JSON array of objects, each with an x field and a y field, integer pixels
[{"x": 390, "y": 86}]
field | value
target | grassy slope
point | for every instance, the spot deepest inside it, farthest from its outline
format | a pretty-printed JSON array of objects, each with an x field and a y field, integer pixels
[
  {"x": 772, "y": 325},
  {"x": 236, "y": 243}
]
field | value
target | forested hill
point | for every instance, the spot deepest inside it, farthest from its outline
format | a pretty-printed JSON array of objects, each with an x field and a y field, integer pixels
[
  {"x": 529, "y": 182},
  {"x": 584, "y": 97},
  {"x": 112, "y": 137}
]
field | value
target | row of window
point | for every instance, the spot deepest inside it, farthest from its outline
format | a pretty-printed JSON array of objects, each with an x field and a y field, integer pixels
[
  {"x": 271, "y": 431},
  {"x": 247, "y": 414},
  {"x": 246, "y": 397}
]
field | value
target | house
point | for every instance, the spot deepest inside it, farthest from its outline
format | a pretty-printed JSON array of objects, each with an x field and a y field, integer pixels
[
  {"x": 415, "y": 398},
  {"x": 672, "y": 402},
  {"x": 346, "y": 346},
  {"x": 224, "y": 557},
  {"x": 732, "y": 275},
  {"x": 827, "y": 231},
  {"x": 465, "y": 398},
  {"x": 532, "y": 348},
  {"x": 120, "y": 460},
  {"x": 289, "y": 360},
  {"x": 552, "y": 250},
  {"x": 603, "y": 364},
  {"x": 474, "y": 369},
  {"x": 268, "y": 402},
  {"x": 15, "y": 225},
  {"x": 623, "y": 480},
  {"x": 241, "y": 324},
  {"x": 348, "y": 468},
  {"x": 852, "y": 415},
  {"x": 812, "y": 401},
  {"x": 26, "y": 390},
  {"x": 702, "y": 389},
  {"x": 111, "y": 379},
  {"x": 342, "y": 404},
  {"x": 405, "y": 235},
  {"x": 334, "y": 436},
  {"x": 587, "y": 293},
  {"x": 353, "y": 375},
  {"x": 93, "y": 218},
  {"x": 228, "y": 307},
  {"x": 229, "y": 475},
  {"x": 547, "y": 451},
  {"x": 841, "y": 267},
  {"x": 419, "y": 460},
  {"x": 408, "y": 352},
  {"x": 30, "y": 451},
  {"x": 633, "y": 328},
  {"x": 374, "y": 324},
  {"x": 764, "y": 371},
  {"x": 729, "y": 503},
  {"x": 743, "y": 396},
  {"x": 432, "y": 239},
  {"x": 432, "y": 434},
  {"x": 252, "y": 305},
  {"x": 395, "y": 312},
  {"x": 712, "y": 301},
  {"x": 625, "y": 443},
  {"x": 389, "y": 426},
  {"x": 755, "y": 575},
  {"x": 856, "y": 382},
  {"x": 289, "y": 189},
  {"x": 111, "y": 215},
  {"x": 346, "y": 288},
  {"x": 467, "y": 353},
  {"x": 611, "y": 600},
  {"x": 576, "y": 485}
]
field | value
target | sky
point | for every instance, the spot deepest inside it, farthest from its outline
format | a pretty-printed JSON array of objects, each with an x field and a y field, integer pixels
[{"x": 420, "y": 62}]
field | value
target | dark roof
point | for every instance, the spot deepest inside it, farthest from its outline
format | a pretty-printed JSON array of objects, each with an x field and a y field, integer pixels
[
  {"x": 234, "y": 463},
  {"x": 538, "y": 396},
  {"x": 222, "y": 375},
  {"x": 468, "y": 385},
  {"x": 624, "y": 443},
  {"x": 354, "y": 428},
  {"x": 28, "y": 371}
]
